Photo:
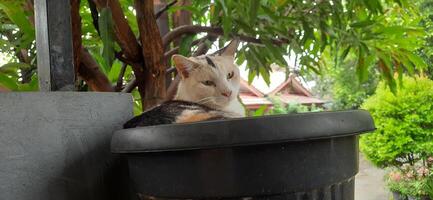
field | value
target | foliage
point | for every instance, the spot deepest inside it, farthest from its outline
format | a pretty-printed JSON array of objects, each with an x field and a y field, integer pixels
[
  {"x": 385, "y": 32},
  {"x": 261, "y": 111},
  {"x": 17, "y": 45},
  {"x": 341, "y": 84},
  {"x": 429, "y": 185},
  {"x": 282, "y": 108},
  {"x": 404, "y": 123},
  {"x": 426, "y": 52}
]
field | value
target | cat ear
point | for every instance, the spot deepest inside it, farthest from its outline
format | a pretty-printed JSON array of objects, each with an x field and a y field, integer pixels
[
  {"x": 183, "y": 65},
  {"x": 231, "y": 48}
]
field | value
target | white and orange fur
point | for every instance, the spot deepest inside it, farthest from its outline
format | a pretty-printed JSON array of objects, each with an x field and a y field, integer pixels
[
  {"x": 208, "y": 90},
  {"x": 221, "y": 71}
]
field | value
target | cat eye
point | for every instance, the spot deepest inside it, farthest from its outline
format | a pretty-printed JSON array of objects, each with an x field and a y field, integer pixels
[
  {"x": 230, "y": 75},
  {"x": 208, "y": 83}
]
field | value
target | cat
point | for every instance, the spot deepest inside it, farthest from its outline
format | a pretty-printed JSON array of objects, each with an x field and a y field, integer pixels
[{"x": 208, "y": 90}]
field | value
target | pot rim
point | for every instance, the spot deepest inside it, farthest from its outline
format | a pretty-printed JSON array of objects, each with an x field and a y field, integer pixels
[{"x": 242, "y": 132}]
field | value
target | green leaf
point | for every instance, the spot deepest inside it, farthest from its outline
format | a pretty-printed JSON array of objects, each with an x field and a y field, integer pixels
[
  {"x": 12, "y": 68},
  {"x": 15, "y": 66},
  {"x": 7, "y": 82},
  {"x": 16, "y": 14},
  {"x": 361, "y": 68},
  {"x": 261, "y": 111},
  {"x": 362, "y": 24},
  {"x": 254, "y": 7},
  {"x": 251, "y": 76},
  {"x": 185, "y": 45},
  {"x": 227, "y": 26},
  {"x": 114, "y": 71},
  {"x": 223, "y": 5},
  {"x": 107, "y": 36},
  {"x": 309, "y": 32},
  {"x": 265, "y": 75},
  {"x": 416, "y": 60},
  {"x": 240, "y": 57},
  {"x": 345, "y": 53},
  {"x": 275, "y": 52}
]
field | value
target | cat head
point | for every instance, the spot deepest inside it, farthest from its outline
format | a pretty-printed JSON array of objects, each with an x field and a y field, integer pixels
[{"x": 211, "y": 80}]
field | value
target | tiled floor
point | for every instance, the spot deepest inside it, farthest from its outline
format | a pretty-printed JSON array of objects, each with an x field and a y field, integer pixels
[{"x": 369, "y": 184}]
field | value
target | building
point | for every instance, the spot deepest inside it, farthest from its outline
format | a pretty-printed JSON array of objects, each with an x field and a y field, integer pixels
[
  {"x": 289, "y": 92},
  {"x": 292, "y": 91}
]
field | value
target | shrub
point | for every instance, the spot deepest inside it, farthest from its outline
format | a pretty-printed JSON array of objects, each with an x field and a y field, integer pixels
[
  {"x": 281, "y": 108},
  {"x": 404, "y": 123}
]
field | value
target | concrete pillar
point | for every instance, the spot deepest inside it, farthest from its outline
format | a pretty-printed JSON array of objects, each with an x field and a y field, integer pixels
[{"x": 56, "y": 145}]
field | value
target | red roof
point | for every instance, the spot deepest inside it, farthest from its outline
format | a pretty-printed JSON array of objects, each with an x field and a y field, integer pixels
[
  {"x": 251, "y": 97},
  {"x": 291, "y": 86},
  {"x": 291, "y": 91},
  {"x": 247, "y": 88},
  {"x": 293, "y": 98}
]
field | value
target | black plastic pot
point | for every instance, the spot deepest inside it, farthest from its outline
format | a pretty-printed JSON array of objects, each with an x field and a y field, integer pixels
[
  {"x": 297, "y": 156},
  {"x": 398, "y": 196}
]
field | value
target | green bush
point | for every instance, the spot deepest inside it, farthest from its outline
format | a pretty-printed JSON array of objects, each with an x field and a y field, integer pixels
[
  {"x": 282, "y": 108},
  {"x": 404, "y": 123}
]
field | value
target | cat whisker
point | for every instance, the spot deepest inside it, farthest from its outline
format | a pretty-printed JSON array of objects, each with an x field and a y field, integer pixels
[{"x": 206, "y": 99}]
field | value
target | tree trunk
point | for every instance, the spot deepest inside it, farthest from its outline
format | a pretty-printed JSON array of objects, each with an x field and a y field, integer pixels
[
  {"x": 164, "y": 28},
  {"x": 153, "y": 54},
  {"x": 180, "y": 18}
]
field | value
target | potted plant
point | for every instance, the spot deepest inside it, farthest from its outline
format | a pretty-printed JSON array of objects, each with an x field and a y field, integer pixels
[
  {"x": 411, "y": 182},
  {"x": 394, "y": 181},
  {"x": 429, "y": 185},
  {"x": 306, "y": 155}
]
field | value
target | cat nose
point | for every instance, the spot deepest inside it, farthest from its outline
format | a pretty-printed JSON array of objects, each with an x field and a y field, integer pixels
[{"x": 227, "y": 94}]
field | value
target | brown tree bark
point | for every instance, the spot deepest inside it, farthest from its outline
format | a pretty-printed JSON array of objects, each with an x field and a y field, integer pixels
[
  {"x": 85, "y": 66},
  {"x": 181, "y": 17},
  {"x": 153, "y": 54},
  {"x": 162, "y": 20},
  {"x": 123, "y": 33},
  {"x": 90, "y": 72},
  {"x": 76, "y": 32}
]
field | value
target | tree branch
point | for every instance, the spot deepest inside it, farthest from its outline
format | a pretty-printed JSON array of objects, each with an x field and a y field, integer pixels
[
  {"x": 119, "y": 83},
  {"x": 175, "y": 50},
  {"x": 160, "y": 12},
  {"x": 90, "y": 72},
  {"x": 130, "y": 86},
  {"x": 168, "y": 54},
  {"x": 76, "y": 32},
  {"x": 123, "y": 32},
  {"x": 203, "y": 47},
  {"x": 213, "y": 31},
  {"x": 153, "y": 54},
  {"x": 94, "y": 13}
]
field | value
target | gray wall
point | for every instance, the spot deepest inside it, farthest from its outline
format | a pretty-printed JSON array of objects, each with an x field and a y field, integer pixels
[{"x": 55, "y": 145}]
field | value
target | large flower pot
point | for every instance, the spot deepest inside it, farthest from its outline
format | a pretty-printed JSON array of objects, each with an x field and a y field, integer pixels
[{"x": 298, "y": 156}]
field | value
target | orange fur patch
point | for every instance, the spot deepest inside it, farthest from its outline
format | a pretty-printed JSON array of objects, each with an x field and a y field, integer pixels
[{"x": 194, "y": 117}]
